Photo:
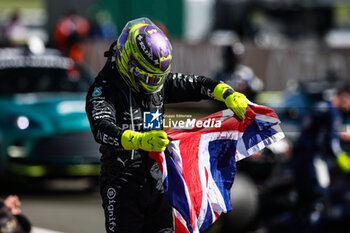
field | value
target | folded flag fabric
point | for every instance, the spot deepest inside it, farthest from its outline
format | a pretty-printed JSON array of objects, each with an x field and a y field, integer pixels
[{"x": 199, "y": 164}]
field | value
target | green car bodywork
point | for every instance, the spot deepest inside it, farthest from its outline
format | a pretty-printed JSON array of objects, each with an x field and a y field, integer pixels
[{"x": 44, "y": 130}]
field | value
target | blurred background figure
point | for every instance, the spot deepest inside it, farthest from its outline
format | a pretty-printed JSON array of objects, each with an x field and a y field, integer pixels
[
  {"x": 319, "y": 138},
  {"x": 70, "y": 32},
  {"x": 102, "y": 26},
  {"x": 162, "y": 27},
  {"x": 13, "y": 203},
  {"x": 239, "y": 76},
  {"x": 11, "y": 219},
  {"x": 13, "y": 30}
]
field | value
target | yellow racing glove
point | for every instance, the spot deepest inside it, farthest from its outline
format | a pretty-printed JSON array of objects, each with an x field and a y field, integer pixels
[
  {"x": 155, "y": 140},
  {"x": 233, "y": 100},
  {"x": 343, "y": 161}
]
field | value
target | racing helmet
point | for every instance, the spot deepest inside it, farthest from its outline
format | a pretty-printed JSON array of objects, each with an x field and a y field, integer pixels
[{"x": 143, "y": 56}]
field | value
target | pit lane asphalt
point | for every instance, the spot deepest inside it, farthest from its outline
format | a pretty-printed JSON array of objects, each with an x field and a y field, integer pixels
[{"x": 63, "y": 206}]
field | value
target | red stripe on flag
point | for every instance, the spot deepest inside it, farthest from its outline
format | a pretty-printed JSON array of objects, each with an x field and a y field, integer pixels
[
  {"x": 157, "y": 156},
  {"x": 259, "y": 109},
  {"x": 191, "y": 169},
  {"x": 179, "y": 227},
  {"x": 217, "y": 215},
  {"x": 206, "y": 177}
]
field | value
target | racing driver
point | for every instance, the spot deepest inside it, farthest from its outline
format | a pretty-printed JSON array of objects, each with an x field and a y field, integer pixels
[{"x": 136, "y": 81}]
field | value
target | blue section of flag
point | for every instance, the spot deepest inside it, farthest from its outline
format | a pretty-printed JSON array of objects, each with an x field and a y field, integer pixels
[
  {"x": 223, "y": 166},
  {"x": 176, "y": 194},
  {"x": 208, "y": 219},
  {"x": 258, "y": 132}
]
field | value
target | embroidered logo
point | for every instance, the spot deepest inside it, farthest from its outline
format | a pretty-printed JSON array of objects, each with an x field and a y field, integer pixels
[{"x": 97, "y": 91}]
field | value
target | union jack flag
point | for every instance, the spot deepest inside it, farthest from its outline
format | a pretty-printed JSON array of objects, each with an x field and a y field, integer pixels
[{"x": 199, "y": 164}]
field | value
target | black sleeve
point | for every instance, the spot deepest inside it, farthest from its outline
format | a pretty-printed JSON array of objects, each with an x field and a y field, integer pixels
[
  {"x": 320, "y": 130},
  {"x": 332, "y": 137},
  {"x": 179, "y": 88},
  {"x": 101, "y": 114}
]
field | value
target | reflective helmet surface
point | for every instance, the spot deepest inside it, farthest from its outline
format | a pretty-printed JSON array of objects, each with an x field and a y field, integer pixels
[{"x": 143, "y": 55}]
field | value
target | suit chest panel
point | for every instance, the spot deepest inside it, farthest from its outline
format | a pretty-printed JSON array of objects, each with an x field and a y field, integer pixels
[{"x": 140, "y": 107}]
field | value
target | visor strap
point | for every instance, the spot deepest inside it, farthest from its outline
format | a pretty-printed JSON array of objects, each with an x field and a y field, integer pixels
[{"x": 111, "y": 50}]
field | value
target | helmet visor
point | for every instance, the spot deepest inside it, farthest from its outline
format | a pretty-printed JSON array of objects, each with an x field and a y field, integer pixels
[{"x": 149, "y": 79}]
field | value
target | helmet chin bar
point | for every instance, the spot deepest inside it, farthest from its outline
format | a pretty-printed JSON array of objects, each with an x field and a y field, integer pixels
[
  {"x": 144, "y": 90},
  {"x": 139, "y": 79}
]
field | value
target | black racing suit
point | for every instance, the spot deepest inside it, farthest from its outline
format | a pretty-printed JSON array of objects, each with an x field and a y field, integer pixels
[{"x": 131, "y": 190}]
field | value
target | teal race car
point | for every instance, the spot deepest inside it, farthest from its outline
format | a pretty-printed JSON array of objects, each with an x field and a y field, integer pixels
[{"x": 44, "y": 130}]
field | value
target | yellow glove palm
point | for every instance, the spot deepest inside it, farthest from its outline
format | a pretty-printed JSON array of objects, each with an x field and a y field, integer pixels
[
  {"x": 233, "y": 100},
  {"x": 155, "y": 140},
  {"x": 343, "y": 161}
]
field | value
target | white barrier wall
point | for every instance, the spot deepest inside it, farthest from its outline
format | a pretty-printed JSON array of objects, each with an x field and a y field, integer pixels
[{"x": 276, "y": 67}]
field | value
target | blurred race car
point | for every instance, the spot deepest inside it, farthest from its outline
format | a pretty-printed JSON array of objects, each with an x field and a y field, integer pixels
[{"x": 43, "y": 127}]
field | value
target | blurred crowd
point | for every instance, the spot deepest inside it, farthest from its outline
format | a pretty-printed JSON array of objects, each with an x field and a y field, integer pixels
[
  {"x": 70, "y": 33},
  {"x": 72, "y": 29}
]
